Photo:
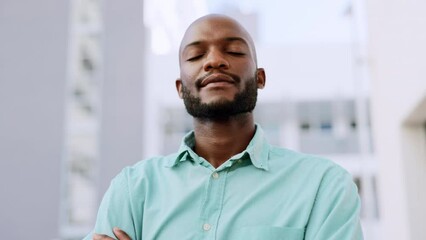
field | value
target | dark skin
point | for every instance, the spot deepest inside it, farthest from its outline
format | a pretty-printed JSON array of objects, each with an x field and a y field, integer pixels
[
  {"x": 119, "y": 234},
  {"x": 216, "y": 45}
]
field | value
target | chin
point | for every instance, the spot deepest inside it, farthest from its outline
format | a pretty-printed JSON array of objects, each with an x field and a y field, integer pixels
[{"x": 217, "y": 99}]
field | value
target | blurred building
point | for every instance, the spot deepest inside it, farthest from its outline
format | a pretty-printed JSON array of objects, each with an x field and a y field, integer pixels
[
  {"x": 398, "y": 103},
  {"x": 33, "y": 62},
  {"x": 103, "y": 130},
  {"x": 87, "y": 87}
]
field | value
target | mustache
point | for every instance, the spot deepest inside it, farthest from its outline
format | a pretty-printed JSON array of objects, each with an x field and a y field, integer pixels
[{"x": 199, "y": 80}]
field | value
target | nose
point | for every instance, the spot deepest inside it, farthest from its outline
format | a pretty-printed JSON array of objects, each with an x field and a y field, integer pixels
[{"x": 215, "y": 60}]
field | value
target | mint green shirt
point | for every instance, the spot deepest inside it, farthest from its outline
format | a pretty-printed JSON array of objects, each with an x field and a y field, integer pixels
[{"x": 264, "y": 192}]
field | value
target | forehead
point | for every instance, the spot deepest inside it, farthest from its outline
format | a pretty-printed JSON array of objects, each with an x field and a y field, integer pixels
[{"x": 212, "y": 29}]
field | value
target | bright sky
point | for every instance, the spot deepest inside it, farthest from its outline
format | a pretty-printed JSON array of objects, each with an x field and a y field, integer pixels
[{"x": 302, "y": 21}]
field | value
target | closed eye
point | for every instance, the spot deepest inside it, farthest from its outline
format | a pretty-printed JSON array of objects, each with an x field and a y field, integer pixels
[
  {"x": 236, "y": 53},
  {"x": 191, "y": 59}
]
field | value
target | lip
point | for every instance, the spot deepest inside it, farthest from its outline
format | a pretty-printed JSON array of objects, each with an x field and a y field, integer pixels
[{"x": 217, "y": 78}]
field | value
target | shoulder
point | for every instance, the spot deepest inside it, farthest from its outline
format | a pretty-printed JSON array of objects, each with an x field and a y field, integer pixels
[
  {"x": 306, "y": 163},
  {"x": 146, "y": 168},
  {"x": 325, "y": 177}
]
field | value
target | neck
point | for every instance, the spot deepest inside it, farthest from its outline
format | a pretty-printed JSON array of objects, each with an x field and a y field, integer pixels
[{"x": 217, "y": 141}]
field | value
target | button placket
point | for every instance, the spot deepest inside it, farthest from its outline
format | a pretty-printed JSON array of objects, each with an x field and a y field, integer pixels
[
  {"x": 213, "y": 203},
  {"x": 215, "y": 175},
  {"x": 206, "y": 227}
]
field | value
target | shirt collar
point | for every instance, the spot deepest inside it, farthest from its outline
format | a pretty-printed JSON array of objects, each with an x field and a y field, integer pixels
[{"x": 257, "y": 150}]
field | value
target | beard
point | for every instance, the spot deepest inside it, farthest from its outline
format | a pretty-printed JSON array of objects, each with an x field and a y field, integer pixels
[{"x": 222, "y": 110}]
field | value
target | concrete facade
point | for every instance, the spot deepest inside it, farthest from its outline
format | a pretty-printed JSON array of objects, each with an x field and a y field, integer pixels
[
  {"x": 33, "y": 56},
  {"x": 33, "y": 85},
  {"x": 397, "y": 62},
  {"x": 122, "y": 94}
]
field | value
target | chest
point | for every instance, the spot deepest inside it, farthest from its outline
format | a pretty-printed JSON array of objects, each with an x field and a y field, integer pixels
[{"x": 242, "y": 203}]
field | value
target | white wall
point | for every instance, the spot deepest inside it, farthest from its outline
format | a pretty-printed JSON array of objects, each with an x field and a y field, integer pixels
[
  {"x": 33, "y": 49},
  {"x": 397, "y": 61},
  {"x": 307, "y": 71}
]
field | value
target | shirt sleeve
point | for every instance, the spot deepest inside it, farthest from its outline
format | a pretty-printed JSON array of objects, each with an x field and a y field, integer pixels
[
  {"x": 335, "y": 214},
  {"x": 117, "y": 210}
]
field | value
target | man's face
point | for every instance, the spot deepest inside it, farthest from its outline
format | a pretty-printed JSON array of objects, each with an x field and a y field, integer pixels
[{"x": 218, "y": 76}]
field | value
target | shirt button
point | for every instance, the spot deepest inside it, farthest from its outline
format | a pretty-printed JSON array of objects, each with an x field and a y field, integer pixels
[
  {"x": 215, "y": 175},
  {"x": 206, "y": 227}
]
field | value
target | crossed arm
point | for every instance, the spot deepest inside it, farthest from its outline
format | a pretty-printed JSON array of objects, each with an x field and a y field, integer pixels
[{"x": 120, "y": 234}]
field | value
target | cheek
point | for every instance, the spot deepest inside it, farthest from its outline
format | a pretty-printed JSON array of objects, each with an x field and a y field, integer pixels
[
  {"x": 245, "y": 68},
  {"x": 188, "y": 81},
  {"x": 188, "y": 74}
]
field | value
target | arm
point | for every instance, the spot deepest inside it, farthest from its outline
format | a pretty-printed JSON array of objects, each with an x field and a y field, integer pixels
[
  {"x": 117, "y": 210},
  {"x": 335, "y": 214},
  {"x": 120, "y": 234}
]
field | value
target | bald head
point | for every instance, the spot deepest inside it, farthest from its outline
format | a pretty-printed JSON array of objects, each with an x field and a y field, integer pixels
[
  {"x": 219, "y": 76},
  {"x": 204, "y": 28}
]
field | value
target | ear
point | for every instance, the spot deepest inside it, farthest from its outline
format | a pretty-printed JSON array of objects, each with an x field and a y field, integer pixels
[
  {"x": 261, "y": 78},
  {"x": 179, "y": 87}
]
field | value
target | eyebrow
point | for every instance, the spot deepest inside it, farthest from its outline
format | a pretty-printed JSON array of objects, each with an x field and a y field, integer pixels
[
  {"x": 233, "y": 39},
  {"x": 228, "y": 39}
]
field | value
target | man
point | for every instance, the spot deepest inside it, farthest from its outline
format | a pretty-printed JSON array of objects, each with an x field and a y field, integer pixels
[{"x": 226, "y": 181}]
